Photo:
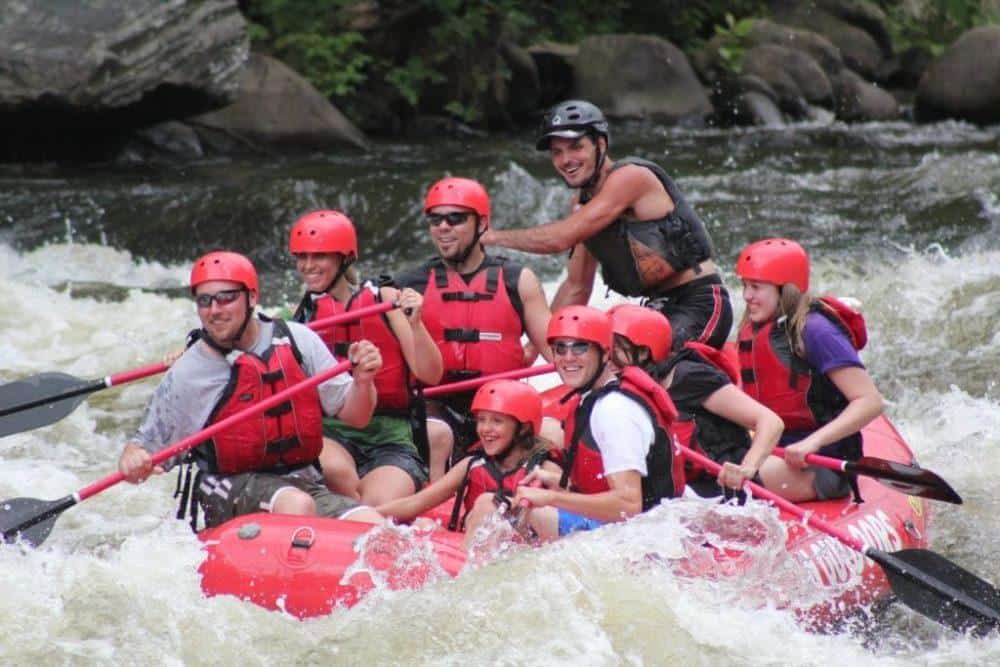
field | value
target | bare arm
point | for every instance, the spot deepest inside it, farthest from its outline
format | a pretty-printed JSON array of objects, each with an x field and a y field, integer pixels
[
  {"x": 578, "y": 285},
  {"x": 408, "y": 508},
  {"x": 623, "y": 188},
  {"x": 864, "y": 404},
  {"x": 730, "y": 403},
  {"x": 359, "y": 403},
  {"x": 536, "y": 311},
  {"x": 622, "y": 501},
  {"x": 419, "y": 350}
]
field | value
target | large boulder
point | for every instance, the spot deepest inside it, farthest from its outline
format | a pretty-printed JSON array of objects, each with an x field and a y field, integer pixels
[
  {"x": 965, "y": 81},
  {"x": 65, "y": 63},
  {"x": 818, "y": 47},
  {"x": 859, "y": 100},
  {"x": 639, "y": 76},
  {"x": 861, "y": 51},
  {"x": 864, "y": 14},
  {"x": 792, "y": 74},
  {"x": 276, "y": 108}
]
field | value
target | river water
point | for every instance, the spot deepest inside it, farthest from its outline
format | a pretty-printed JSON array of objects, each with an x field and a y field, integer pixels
[{"x": 93, "y": 262}]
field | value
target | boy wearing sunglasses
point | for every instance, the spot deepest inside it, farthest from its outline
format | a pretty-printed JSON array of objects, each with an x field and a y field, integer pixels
[
  {"x": 630, "y": 218},
  {"x": 618, "y": 457},
  {"x": 476, "y": 306},
  {"x": 237, "y": 359}
]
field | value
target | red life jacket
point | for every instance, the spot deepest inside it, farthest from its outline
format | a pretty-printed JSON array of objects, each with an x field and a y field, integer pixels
[
  {"x": 319, "y": 307},
  {"x": 289, "y": 435},
  {"x": 584, "y": 467},
  {"x": 477, "y": 325},
  {"x": 699, "y": 429},
  {"x": 484, "y": 476},
  {"x": 775, "y": 375},
  {"x": 392, "y": 382}
]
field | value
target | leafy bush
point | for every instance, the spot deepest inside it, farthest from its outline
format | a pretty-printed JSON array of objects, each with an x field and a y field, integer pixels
[{"x": 934, "y": 24}]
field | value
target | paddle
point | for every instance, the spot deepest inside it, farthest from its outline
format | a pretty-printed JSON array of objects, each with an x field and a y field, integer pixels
[
  {"x": 476, "y": 382},
  {"x": 908, "y": 479},
  {"x": 923, "y": 580},
  {"x": 32, "y": 520},
  {"x": 46, "y": 398}
]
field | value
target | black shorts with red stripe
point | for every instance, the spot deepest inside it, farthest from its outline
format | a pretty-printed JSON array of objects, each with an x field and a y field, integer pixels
[{"x": 699, "y": 310}]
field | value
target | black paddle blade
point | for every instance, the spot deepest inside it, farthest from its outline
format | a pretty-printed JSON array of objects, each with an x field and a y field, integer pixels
[
  {"x": 40, "y": 400},
  {"x": 30, "y": 519},
  {"x": 941, "y": 590},
  {"x": 911, "y": 480}
]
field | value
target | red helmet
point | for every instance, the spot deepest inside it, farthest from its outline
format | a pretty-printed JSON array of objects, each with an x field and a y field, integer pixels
[
  {"x": 643, "y": 326},
  {"x": 458, "y": 192},
  {"x": 222, "y": 265},
  {"x": 581, "y": 323},
  {"x": 777, "y": 261},
  {"x": 512, "y": 398},
  {"x": 324, "y": 231}
]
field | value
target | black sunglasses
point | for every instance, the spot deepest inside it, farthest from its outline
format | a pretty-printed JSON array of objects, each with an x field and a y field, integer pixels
[
  {"x": 453, "y": 219},
  {"x": 222, "y": 298},
  {"x": 578, "y": 348}
]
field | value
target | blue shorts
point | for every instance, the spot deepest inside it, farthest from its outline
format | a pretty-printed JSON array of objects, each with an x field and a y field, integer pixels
[{"x": 570, "y": 523}]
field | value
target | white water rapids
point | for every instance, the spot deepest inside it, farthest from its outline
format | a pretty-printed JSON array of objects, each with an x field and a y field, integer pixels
[
  {"x": 116, "y": 581},
  {"x": 904, "y": 218}
]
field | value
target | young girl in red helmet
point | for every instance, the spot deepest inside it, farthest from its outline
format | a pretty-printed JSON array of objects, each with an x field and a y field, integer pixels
[
  {"x": 714, "y": 415},
  {"x": 799, "y": 356},
  {"x": 508, "y": 417},
  {"x": 381, "y": 461}
]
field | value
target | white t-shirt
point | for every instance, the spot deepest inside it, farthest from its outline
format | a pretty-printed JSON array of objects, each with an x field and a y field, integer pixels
[
  {"x": 186, "y": 396},
  {"x": 623, "y": 433}
]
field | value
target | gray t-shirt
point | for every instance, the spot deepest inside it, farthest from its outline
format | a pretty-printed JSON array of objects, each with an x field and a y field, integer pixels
[{"x": 183, "y": 401}]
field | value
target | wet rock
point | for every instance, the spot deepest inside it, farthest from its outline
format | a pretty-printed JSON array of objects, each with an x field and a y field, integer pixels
[
  {"x": 864, "y": 14},
  {"x": 858, "y": 48},
  {"x": 790, "y": 73},
  {"x": 820, "y": 48},
  {"x": 172, "y": 138},
  {"x": 85, "y": 64},
  {"x": 639, "y": 76},
  {"x": 965, "y": 81},
  {"x": 554, "y": 63},
  {"x": 761, "y": 109},
  {"x": 859, "y": 100},
  {"x": 275, "y": 108}
]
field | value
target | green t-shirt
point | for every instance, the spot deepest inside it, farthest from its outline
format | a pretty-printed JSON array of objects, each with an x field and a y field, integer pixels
[{"x": 381, "y": 430}]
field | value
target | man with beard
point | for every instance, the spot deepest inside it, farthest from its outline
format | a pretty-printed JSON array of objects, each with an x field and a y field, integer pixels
[
  {"x": 629, "y": 217},
  {"x": 476, "y": 306},
  {"x": 238, "y": 358}
]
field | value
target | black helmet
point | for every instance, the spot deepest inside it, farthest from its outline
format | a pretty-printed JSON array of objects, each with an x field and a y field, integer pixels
[{"x": 571, "y": 119}]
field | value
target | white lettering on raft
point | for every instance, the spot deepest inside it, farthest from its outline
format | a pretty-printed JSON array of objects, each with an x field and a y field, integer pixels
[{"x": 837, "y": 563}]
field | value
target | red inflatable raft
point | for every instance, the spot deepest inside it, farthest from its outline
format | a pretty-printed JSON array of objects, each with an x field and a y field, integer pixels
[{"x": 298, "y": 564}]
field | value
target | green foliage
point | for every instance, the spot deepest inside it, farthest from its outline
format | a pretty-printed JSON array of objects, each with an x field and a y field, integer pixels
[
  {"x": 933, "y": 24},
  {"x": 410, "y": 79},
  {"x": 298, "y": 33},
  {"x": 733, "y": 41}
]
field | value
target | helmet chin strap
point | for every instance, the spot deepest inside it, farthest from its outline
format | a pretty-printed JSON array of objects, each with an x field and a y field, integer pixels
[
  {"x": 217, "y": 345},
  {"x": 457, "y": 262},
  {"x": 589, "y": 384},
  {"x": 598, "y": 163},
  {"x": 306, "y": 307}
]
